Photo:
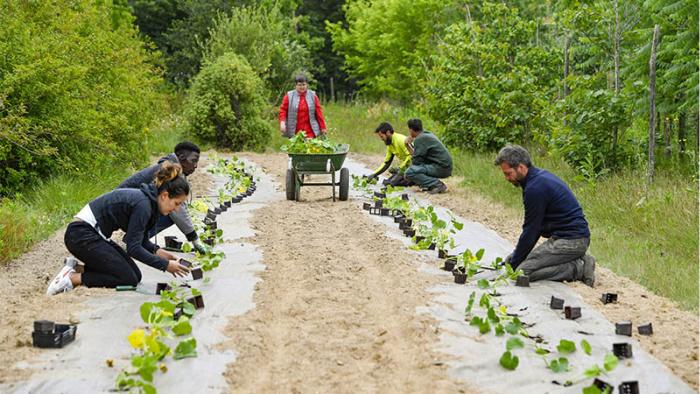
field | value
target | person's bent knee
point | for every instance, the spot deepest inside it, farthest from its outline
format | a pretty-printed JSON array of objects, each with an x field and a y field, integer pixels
[
  {"x": 411, "y": 172},
  {"x": 130, "y": 278}
]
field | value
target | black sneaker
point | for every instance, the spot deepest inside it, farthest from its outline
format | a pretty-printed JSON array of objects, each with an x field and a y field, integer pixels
[{"x": 437, "y": 189}]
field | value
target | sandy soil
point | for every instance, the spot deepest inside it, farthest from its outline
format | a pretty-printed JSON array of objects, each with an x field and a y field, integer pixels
[
  {"x": 335, "y": 311},
  {"x": 23, "y": 291},
  {"x": 675, "y": 339}
]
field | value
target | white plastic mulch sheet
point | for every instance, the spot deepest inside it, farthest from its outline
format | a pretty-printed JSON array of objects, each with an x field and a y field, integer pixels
[
  {"x": 474, "y": 358},
  {"x": 81, "y": 367}
]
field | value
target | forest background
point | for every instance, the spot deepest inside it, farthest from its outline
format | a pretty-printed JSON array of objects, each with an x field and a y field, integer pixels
[{"x": 91, "y": 90}]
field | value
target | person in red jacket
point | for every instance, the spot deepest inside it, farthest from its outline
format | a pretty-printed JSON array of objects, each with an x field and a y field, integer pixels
[{"x": 301, "y": 111}]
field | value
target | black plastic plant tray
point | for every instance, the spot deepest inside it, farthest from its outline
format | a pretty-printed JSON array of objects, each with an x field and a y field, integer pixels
[
  {"x": 602, "y": 386},
  {"x": 623, "y": 328},
  {"x": 209, "y": 241},
  {"x": 61, "y": 335},
  {"x": 556, "y": 303},
  {"x": 161, "y": 287},
  {"x": 379, "y": 203},
  {"x": 375, "y": 211},
  {"x": 197, "y": 274},
  {"x": 404, "y": 196},
  {"x": 186, "y": 263},
  {"x": 398, "y": 219},
  {"x": 211, "y": 215},
  {"x": 197, "y": 301},
  {"x": 572, "y": 312},
  {"x": 460, "y": 278},
  {"x": 622, "y": 350},
  {"x": 385, "y": 211},
  {"x": 379, "y": 194},
  {"x": 409, "y": 232},
  {"x": 609, "y": 298},
  {"x": 236, "y": 199},
  {"x": 449, "y": 264},
  {"x": 645, "y": 329},
  {"x": 522, "y": 281},
  {"x": 366, "y": 206},
  {"x": 631, "y": 387}
]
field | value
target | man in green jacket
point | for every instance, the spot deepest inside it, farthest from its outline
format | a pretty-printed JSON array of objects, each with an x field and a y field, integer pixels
[
  {"x": 431, "y": 160},
  {"x": 395, "y": 146}
]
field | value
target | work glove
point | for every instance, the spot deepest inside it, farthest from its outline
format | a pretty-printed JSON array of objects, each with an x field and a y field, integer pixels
[{"x": 200, "y": 247}]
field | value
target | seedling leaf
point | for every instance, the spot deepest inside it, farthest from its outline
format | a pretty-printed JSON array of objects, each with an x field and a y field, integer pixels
[
  {"x": 610, "y": 362},
  {"x": 561, "y": 365},
  {"x": 483, "y": 284},
  {"x": 186, "y": 348},
  {"x": 514, "y": 343},
  {"x": 541, "y": 351},
  {"x": 586, "y": 347},
  {"x": 182, "y": 327},
  {"x": 470, "y": 303},
  {"x": 509, "y": 361},
  {"x": 480, "y": 254},
  {"x": 492, "y": 315},
  {"x": 566, "y": 346},
  {"x": 514, "y": 326},
  {"x": 498, "y": 330}
]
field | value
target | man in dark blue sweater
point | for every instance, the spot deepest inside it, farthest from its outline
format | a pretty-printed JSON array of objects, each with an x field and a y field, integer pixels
[{"x": 551, "y": 211}]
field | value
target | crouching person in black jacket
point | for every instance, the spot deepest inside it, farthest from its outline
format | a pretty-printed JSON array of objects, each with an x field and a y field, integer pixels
[{"x": 133, "y": 211}]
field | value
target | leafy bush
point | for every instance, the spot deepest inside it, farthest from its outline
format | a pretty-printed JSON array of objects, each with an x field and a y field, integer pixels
[
  {"x": 387, "y": 43},
  {"x": 76, "y": 87},
  {"x": 225, "y": 105},
  {"x": 489, "y": 84},
  {"x": 264, "y": 37},
  {"x": 592, "y": 112}
]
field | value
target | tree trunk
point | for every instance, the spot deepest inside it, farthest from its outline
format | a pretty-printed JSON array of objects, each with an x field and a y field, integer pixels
[
  {"x": 332, "y": 91},
  {"x": 652, "y": 104},
  {"x": 667, "y": 136},
  {"x": 565, "y": 92},
  {"x": 681, "y": 132}
]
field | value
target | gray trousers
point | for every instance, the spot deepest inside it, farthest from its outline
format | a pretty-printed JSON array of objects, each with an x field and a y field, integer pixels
[
  {"x": 556, "y": 259},
  {"x": 426, "y": 175}
]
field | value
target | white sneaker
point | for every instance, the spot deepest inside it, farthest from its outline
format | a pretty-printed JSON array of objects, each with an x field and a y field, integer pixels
[
  {"x": 70, "y": 261},
  {"x": 61, "y": 283}
]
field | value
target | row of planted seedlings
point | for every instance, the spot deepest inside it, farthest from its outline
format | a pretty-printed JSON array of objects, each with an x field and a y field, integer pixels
[
  {"x": 167, "y": 331},
  {"x": 490, "y": 315}
]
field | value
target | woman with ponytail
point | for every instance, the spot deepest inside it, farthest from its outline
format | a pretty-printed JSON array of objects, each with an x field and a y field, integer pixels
[{"x": 133, "y": 211}]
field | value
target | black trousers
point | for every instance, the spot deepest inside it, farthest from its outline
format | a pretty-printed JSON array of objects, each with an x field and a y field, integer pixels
[{"x": 106, "y": 263}]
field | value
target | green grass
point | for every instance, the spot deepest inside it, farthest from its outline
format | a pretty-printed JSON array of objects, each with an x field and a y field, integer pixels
[
  {"x": 648, "y": 236},
  {"x": 37, "y": 212}
]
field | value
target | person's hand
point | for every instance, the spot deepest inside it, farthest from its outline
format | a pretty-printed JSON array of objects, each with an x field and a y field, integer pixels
[
  {"x": 283, "y": 127},
  {"x": 324, "y": 131},
  {"x": 508, "y": 258},
  {"x": 177, "y": 269},
  {"x": 162, "y": 253},
  {"x": 200, "y": 247},
  {"x": 409, "y": 140}
]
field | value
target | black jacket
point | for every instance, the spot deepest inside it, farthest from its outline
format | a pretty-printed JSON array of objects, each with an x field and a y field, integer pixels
[{"x": 133, "y": 211}]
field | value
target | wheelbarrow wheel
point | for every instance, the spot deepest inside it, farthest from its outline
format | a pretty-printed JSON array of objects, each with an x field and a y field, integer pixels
[
  {"x": 344, "y": 184},
  {"x": 291, "y": 185}
]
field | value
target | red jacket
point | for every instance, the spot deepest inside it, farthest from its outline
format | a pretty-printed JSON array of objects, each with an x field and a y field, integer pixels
[{"x": 303, "y": 122}]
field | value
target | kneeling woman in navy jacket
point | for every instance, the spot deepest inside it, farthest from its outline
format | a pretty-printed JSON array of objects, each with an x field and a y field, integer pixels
[{"x": 133, "y": 211}]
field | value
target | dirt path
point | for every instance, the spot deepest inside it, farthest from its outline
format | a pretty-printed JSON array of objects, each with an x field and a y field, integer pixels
[
  {"x": 24, "y": 299},
  {"x": 675, "y": 339},
  {"x": 335, "y": 311}
]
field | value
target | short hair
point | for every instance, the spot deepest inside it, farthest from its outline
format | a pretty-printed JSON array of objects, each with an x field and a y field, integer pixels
[
  {"x": 384, "y": 127},
  {"x": 301, "y": 78},
  {"x": 415, "y": 124},
  {"x": 513, "y": 155},
  {"x": 186, "y": 146}
]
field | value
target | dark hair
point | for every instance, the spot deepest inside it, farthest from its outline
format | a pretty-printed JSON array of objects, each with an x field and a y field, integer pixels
[
  {"x": 169, "y": 179},
  {"x": 384, "y": 127},
  {"x": 301, "y": 78},
  {"x": 186, "y": 146},
  {"x": 513, "y": 155},
  {"x": 415, "y": 124}
]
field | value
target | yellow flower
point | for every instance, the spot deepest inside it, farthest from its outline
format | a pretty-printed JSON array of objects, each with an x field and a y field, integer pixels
[{"x": 137, "y": 338}]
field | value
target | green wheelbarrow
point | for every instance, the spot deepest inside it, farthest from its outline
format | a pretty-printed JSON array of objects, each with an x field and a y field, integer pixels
[{"x": 302, "y": 164}]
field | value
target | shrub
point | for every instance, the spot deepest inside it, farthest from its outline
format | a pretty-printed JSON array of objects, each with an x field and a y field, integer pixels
[
  {"x": 76, "y": 88},
  {"x": 225, "y": 105},
  {"x": 489, "y": 84}
]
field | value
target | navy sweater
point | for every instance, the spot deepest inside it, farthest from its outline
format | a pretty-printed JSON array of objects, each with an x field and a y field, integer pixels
[
  {"x": 551, "y": 210},
  {"x": 133, "y": 211}
]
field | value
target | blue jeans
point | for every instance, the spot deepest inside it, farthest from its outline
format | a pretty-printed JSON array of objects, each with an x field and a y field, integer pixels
[{"x": 426, "y": 175}]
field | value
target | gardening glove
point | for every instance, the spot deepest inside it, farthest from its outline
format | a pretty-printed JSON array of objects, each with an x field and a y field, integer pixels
[{"x": 200, "y": 247}]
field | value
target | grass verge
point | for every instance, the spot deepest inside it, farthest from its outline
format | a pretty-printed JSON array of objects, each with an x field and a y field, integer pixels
[
  {"x": 649, "y": 236},
  {"x": 42, "y": 208}
]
